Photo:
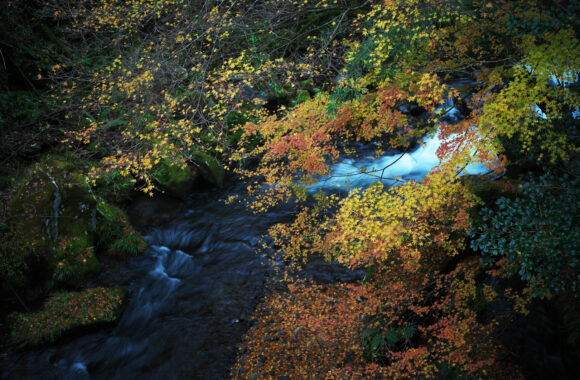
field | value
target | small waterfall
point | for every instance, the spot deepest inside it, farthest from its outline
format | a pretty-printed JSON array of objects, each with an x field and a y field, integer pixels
[{"x": 405, "y": 166}]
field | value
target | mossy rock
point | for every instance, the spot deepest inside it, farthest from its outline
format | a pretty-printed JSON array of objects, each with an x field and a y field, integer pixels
[
  {"x": 33, "y": 215},
  {"x": 301, "y": 97},
  {"x": 57, "y": 223},
  {"x": 175, "y": 179},
  {"x": 307, "y": 84},
  {"x": 12, "y": 267},
  {"x": 78, "y": 210},
  {"x": 31, "y": 209},
  {"x": 65, "y": 312},
  {"x": 210, "y": 168},
  {"x": 115, "y": 234},
  {"x": 110, "y": 222},
  {"x": 114, "y": 187},
  {"x": 74, "y": 252},
  {"x": 52, "y": 212},
  {"x": 130, "y": 243},
  {"x": 75, "y": 261}
]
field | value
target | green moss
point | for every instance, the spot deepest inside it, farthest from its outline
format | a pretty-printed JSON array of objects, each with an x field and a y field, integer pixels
[
  {"x": 114, "y": 187},
  {"x": 129, "y": 244},
  {"x": 27, "y": 249},
  {"x": 301, "y": 97},
  {"x": 64, "y": 312},
  {"x": 51, "y": 213},
  {"x": 75, "y": 255},
  {"x": 12, "y": 267},
  {"x": 175, "y": 179},
  {"x": 307, "y": 84},
  {"x": 30, "y": 208},
  {"x": 56, "y": 224},
  {"x": 110, "y": 222},
  {"x": 115, "y": 233},
  {"x": 75, "y": 260},
  {"x": 210, "y": 168}
]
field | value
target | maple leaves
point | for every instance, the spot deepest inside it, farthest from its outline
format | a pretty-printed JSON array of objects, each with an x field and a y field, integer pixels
[
  {"x": 417, "y": 310},
  {"x": 64, "y": 312},
  {"x": 358, "y": 330},
  {"x": 298, "y": 147},
  {"x": 393, "y": 226},
  {"x": 175, "y": 76},
  {"x": 542, "y": 78},
  {"x": 220, "y": 79},
  {"x": 309, "y": 330},
  {"x": 401, "y": 221}
]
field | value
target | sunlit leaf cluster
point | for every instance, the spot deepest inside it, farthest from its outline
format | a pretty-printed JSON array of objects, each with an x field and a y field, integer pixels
[{"x": 418, "y": 312}]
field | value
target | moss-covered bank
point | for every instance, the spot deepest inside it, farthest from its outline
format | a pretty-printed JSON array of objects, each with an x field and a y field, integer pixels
[
  {"x": 64, "y": 312},
  {"x": 55, "y": 229}
]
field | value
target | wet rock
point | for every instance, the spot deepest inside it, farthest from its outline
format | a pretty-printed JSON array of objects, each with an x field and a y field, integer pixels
[
  {"x": 145, "y": 211},
  {"x": 58, "y": 222},
  {"x": 66, "y": 312},
  {"x": 53, "y": 209},
  {"x": 411, "y": 109},
  {"x": 175, "y": 179},
  {"x": 453, "y": 116},
  {"x": 210, "y": 168}
]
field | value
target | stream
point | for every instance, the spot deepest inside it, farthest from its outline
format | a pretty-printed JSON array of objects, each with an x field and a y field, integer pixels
[
  {"x": 192, "y": 292},
  {"x": 189, "y": 298}
]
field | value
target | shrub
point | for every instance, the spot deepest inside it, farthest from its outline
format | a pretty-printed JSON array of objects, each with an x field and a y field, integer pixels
[{"x": 538, "y": 232}]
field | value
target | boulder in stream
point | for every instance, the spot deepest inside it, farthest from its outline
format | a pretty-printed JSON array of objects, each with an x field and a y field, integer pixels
[
  {"x": 210, "y": 168},
  {"x": 65, "y": 312},
  {"x": 175, "y": 179},
  {"x": 56, "y": 221}
]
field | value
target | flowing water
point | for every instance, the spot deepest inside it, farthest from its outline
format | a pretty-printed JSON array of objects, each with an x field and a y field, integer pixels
[
  {"x": 192, "y": 291},
  {"x": 190, "y": 294}
]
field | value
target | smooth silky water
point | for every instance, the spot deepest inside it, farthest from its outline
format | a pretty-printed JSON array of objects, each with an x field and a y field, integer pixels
[{"x": 192, "y": 293}]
